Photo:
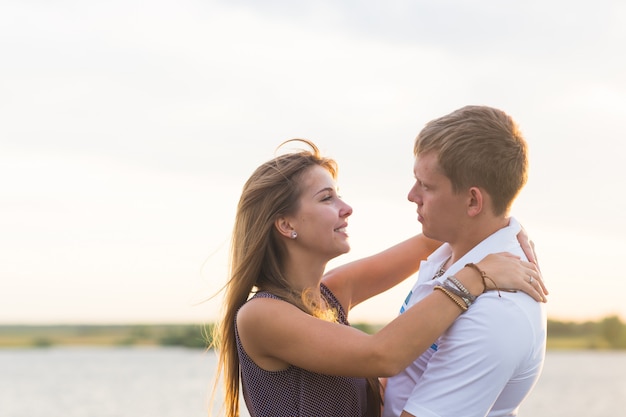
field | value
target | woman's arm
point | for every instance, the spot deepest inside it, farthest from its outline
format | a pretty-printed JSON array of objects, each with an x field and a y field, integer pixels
[
  {"x": 364, "y": 278},
  {"x": 359, "y": 280},
  {"x": 275, "y": 334}
]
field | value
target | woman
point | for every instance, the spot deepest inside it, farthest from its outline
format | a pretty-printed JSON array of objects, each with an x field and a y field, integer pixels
[{"x": 291, "y": 341}]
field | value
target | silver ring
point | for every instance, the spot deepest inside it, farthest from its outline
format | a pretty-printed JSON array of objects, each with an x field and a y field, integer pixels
[{"x": 530, "y": 279}]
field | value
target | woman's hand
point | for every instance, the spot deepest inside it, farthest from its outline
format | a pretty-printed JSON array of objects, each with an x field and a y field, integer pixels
[
  {"x": 506, "y": 272},
  {"x": 528, "y": 246}
]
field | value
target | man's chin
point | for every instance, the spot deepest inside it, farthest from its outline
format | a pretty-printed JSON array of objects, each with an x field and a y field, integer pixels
[{"x": 430, "y": 235}]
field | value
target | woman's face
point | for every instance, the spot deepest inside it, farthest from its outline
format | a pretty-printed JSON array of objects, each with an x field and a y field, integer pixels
[{"x": 321, "y": 220}]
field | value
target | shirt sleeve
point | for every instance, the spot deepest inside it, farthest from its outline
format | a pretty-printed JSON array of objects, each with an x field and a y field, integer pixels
[{"x": 474, "y": 360}]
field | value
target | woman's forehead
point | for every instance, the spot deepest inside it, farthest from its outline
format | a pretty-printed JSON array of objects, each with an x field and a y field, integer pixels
[{"x": 317, "y": 178}]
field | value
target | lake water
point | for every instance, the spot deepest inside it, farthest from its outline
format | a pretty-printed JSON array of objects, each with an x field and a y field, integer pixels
[{"x": 172, "y": 382}]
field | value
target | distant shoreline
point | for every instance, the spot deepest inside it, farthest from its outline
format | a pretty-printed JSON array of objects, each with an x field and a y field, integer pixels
[
  {"x": 605, "y": 334},
  {"x": 42, "y": 336}
]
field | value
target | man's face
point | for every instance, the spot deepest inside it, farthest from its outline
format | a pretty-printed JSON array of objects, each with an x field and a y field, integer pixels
[{"x": 439, "y": 210}]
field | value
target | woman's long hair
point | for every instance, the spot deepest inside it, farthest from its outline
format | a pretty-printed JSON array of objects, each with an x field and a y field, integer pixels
[{"x": 257, "y": 251}]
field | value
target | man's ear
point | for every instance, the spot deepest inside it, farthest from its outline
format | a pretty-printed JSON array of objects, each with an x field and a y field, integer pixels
[
  {"x": 476, "y": 201},
  {"x": 284, "y": 227}
]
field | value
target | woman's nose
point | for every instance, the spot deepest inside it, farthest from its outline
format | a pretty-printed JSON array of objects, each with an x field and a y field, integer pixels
[{"x": 346, "y": 210}]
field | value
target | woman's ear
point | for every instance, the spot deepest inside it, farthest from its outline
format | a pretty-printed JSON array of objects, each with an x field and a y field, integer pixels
[
  {"x": 284, "y": 227},
  {"x": 476, "y": 201}
]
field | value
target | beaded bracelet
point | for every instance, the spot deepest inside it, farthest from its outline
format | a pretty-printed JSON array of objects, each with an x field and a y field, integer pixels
[
  {"x": 458, "y": 284},
  {"x": 454, "y": 298},
  {"x": 455, "y": 287}
]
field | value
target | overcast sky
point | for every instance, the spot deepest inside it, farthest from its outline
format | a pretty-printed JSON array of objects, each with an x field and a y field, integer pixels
[{"x": 128, "y": 128}]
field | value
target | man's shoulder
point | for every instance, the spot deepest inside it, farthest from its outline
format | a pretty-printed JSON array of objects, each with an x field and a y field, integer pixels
[{"x": 512, "y": 318}]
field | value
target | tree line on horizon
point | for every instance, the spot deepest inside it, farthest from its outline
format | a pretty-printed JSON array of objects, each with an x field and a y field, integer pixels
[{"x": 606, "y": 333}]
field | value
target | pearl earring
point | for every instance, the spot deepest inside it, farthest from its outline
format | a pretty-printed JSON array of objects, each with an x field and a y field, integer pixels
[{"x": 294, "y": 234}]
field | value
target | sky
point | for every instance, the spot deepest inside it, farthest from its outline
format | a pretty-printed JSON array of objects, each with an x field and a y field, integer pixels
[{"x": 127, "y": 130}]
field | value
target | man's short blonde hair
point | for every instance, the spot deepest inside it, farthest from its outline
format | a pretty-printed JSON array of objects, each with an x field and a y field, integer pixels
[{"x": 479, "y": 146}]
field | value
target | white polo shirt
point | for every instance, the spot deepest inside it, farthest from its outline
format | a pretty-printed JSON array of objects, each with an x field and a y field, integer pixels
[{"x": 488, "y": 361}]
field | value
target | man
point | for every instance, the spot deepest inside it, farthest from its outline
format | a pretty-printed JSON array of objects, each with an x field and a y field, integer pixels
[{"x": 469, "y": 167}]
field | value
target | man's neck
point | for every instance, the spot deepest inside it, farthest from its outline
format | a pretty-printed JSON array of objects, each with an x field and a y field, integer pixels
[{"x": 472, "y": 236}]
